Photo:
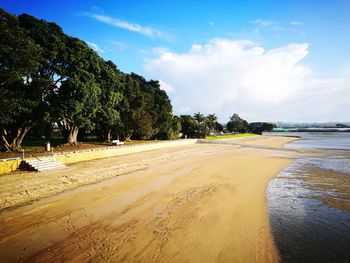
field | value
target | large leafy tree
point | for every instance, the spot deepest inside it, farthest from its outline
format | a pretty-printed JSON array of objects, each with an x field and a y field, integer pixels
[
  {"x": 260, "y": 127},
  {"x": 237, "y": 124},
  {"x": 76, "y": 101},
  {"x": 189, "y": 126},
  {"x": 192, "y": 128},
  {"x": 130, "y": 107},
  {"x": 21, "y": 91},
  {"x": 175, "y": 127},
  {"x": 111, "y": 82},
  {"x": 68, "y": 76},
  {"x": 145, "y": 110},
  {"x": 161, "y": 112}
]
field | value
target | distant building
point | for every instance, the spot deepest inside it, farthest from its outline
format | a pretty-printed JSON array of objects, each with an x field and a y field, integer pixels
[{"x": 279, "y": 130}]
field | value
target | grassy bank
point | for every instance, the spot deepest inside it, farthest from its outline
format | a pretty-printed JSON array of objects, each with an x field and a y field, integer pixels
[{"x": 230, "y": 136}]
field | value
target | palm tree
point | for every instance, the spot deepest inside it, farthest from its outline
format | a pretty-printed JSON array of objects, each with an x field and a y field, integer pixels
[
  {"x": 199, "y": 117},
  {"x": 211, "y": 121}
]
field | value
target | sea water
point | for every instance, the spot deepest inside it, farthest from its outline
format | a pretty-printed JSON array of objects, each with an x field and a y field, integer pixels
[{"x": 309, "y": 201}]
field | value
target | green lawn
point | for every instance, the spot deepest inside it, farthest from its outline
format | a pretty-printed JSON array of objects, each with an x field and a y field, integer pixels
[{"x": 230, "y": 136}]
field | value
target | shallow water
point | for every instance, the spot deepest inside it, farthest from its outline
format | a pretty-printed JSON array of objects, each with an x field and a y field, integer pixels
[
  {"x": 320, "y": 140},
  {"x": 309, "y": 203}
]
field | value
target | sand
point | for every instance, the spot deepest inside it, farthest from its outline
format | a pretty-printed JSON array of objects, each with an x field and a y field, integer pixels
[{"x": 198, "y": 203}]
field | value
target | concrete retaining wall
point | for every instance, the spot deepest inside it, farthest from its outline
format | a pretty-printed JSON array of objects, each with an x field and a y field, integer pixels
[
  {"x": 98, "y": 153},
  {"x": 10, "y": 165}
]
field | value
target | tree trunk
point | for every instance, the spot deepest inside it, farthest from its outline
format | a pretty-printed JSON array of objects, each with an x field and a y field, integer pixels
[
  {"x": 128, "y": 135},
  {"x": 73, "y": 135},
  {"x": 69, "y": 131},
  {"x": 109, "y": 135},
  {"x": 12, "y": 141},
  {"x": 64, "y": 128}
]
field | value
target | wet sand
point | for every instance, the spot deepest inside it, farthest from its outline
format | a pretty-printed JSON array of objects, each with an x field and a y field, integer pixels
[{"x": 198, "y": 203}]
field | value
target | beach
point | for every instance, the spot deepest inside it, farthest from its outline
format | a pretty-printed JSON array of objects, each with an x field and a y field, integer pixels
[{"x": 195, "y": 203}]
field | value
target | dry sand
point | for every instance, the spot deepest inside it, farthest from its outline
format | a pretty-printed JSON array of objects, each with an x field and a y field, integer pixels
[{"x": 198, "y": 203}]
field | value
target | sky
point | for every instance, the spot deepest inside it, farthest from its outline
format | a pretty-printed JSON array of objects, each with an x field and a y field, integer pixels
[{"x": 273, "y": 60}]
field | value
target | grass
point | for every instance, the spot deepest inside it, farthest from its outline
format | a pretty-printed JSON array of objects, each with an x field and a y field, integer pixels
[{"x": 230, "y": 136}]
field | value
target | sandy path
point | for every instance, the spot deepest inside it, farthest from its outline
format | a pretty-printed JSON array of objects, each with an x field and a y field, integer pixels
[{"x": 200, "y": 203}]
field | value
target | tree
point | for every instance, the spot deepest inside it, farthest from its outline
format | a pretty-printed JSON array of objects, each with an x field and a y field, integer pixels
[
  {"x": 199, "y": 117},
  {"x": 76, "y": 101},
  {"x": 49, "y": 77},
  {"x": 219, "y": 127},
  {"x": 161, "y": 111},
  {"x": 108, "y": 117},
  {"x": 175, "y": 127},
  {"x": 145, "y": 110},
  {"x": 260, "y": 127},
  {"x": 20, "y": 92},
  {"x": 202, "y": 129},
  {"x": 189, "y": 126},
  {"x": 237, "y": 124},
  {"x": 131, "y": 107},
  {"x": 211, "y": 121}
]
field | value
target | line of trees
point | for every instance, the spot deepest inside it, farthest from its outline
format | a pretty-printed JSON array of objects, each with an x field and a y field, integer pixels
[
  {"x": 238, "y": 125},
  {"x": 200, "y": 126},
  {"x": 48, "y": 77}
]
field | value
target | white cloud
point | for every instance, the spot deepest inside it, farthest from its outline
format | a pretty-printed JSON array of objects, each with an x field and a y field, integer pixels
[
  {"x": 264, "y": 22},
  {"x": 143, "y": 30},
  {"x": 228, "y": 76},
  {"x": 166, "y": 87},
  {"x": 265, "y": 25},
  {"x": 95, "y": 47},
  {"x": 296, "y": 23},
  {"x": 185, "y": 110}
]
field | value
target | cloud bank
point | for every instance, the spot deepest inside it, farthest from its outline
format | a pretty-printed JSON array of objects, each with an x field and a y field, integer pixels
[{"x": 238, "y": 76}]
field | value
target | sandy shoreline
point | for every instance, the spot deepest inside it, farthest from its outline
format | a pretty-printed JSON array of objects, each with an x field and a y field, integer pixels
[{"x": 198, "y": 203}]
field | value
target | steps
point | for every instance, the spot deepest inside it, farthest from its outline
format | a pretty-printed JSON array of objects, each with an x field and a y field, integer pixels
[{"x": 43, "y": 164}]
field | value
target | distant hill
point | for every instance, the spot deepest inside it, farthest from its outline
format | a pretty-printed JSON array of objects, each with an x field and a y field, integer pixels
[{"x": 313, "y": 125}]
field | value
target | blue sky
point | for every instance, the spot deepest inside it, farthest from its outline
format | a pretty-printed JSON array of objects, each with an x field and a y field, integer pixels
[{"x": 305, "y": 43}]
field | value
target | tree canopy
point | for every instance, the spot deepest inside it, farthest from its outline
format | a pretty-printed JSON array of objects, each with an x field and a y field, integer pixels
[
  {"x": 237, "y": 124},
  {"x": 48, "y": 76}
]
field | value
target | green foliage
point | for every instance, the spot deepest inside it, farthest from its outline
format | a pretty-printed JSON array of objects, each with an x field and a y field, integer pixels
[
  {"x": 229, "y": 136},
  {"x": 199, "y": 126},
  {"x": 108, "y": 116},
  {"x": 49, "y": 77},
  {"x": 21, "y": 91},
  {"x": 212, "y": 124},
  {"x": 75, "y": 101},
  {"x": 145, "y": 111},
  {"x": 237, "y": 124},
  {"x": 175, "y": 127},
  {"x": 260, "y": 127},
  {"x": 189, "y": 126}
]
